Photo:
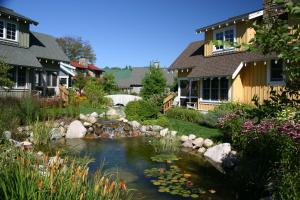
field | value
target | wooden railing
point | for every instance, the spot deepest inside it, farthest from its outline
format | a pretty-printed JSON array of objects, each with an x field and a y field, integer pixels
[
  {"x": 64, "y": 94},
  {"x": 168, "y": 102}
]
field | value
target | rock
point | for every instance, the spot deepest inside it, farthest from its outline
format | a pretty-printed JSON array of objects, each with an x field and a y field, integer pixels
[
  {"x": 184, "y": 138},
  {"x": 156, "y": 128},
  {"x": 208, "y": 143},
  {"x": 202, "y": 150},
  {"x": 164, "y": 132},
  {"x": 91, "y": 119},
  {"x": 101, "y": 115},
  {"x": 188, "y": 144},
  {"x": 91, "y": 129},
  {"x": 56, "y": 133},
  {"x": 143, "y": 129},
  {"x": 192, "y": 137},
  {"x": 62, "y": 124},
  {"x": 87, "y": 124},
  {"x": 233, "y": 153},
  {"x": 198, "y": 142},
  {"x": 94, "y": 114},
  {"x": 135, "y": 125},
  {"x": 15, "y": 143},
  {"x": 173, "y": 133},
  {"x": 7, "y": 135},
  {"x": 217, "y": 154},
  {"x": 40, "y": 153},
  {"x": 76, "y": 130}
]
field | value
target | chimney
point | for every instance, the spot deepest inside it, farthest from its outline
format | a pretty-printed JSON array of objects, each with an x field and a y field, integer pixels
[
  {"x": 83, "y": 61},
  {"x": 156, "y": 64}
]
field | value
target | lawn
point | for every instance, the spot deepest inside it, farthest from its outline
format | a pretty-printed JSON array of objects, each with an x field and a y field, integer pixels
[
  {"x": 186, "y": 128},
  {"x": 87, "y": 109}
]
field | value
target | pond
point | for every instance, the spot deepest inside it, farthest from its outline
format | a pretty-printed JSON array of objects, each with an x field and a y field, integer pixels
[{"x": 131, "y": 156}]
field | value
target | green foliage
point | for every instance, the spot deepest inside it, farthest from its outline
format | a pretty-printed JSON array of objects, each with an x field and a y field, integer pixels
[
  {"x": 41, "y": 132},
  {"x": 160, "y": 121},
  {"x": 109, "y": 83},
  {"x": 76, "y": 48},
  {"x": 95, "y": 93},
  {"x": 154, "y": 82},
  {"x": 29, "y": 109},
  {"x": 80, "y": 81},
  {"x": 274, "y": 35},
  {"x": 9, "y": 115},
  {"x": 141, "y": 110},
  {"x": 4, "y": 80},
  {"x": 185, "y": 115},
  {"x": 167, "y": 144}
]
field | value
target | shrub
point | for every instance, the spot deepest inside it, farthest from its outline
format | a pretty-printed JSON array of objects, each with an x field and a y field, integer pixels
[
  {"x": 29, "y": 109},
  {"x": 161, "y": 121},
  {"x": 95, "y": 93},
  {"x": 141, "y": 110},
  {"x": 41, "y": 132},
  {"x": 185, "y": 115}
]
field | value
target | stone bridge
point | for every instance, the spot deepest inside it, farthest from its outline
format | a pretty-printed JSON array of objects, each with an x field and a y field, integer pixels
[{"x": 123, "y": 99}]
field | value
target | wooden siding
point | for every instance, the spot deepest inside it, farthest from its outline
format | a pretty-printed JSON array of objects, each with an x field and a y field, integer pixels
[
  {"x": 244, "y": 33},
  {"x": 24, "y": 35},
  {"x": 206, "y": 106},
  {"x": 251, "y": 81}
]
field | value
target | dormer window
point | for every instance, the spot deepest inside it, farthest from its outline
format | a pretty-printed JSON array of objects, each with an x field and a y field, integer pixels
[
  {"x": 8, "y": 31},
  {"x": 228, "y": 35}
]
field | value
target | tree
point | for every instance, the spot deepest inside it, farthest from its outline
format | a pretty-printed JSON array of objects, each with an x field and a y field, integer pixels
[
  {"x": 109, "y": 83},
  {"x": 75, "y": 48},
  {"x": 154, "y": 83},
  {"x": 95, "y": 93},
  {"x": 280, "y": 35},
  {"x": 80, "y": 81},
  {"x": 4, "y": 79}
]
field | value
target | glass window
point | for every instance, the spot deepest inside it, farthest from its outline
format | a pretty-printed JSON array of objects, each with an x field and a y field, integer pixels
[
  {"x": 276, "y": 71},
  {"x": 195, "y": 88},
  {"x": 184, "y": 88},
  {"x": 206, "y": 89},
  {"x": 63, "y": 81},
  {"x": 21, "y": 82},
  {"x": 219, "y": 36},
  {"x": 227, "y": 35},
  {"x": 54, "y": 80},
  {"x": 1, "y": 29},
  {"x": 224, "y": 89},
  {"x": 48, "y": 79},
  {"x": 11, "y": 31},
  {"x": 215, "y": 89}
]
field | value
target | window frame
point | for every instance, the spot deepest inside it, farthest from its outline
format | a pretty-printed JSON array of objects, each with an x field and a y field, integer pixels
[
  {"x": 219, "y": 91},
  {"x": 223, "y": 30},
  {"x": 4, "y": 38},
  {"x": 3, "y": 29},
  {"x": 269, "y": 78}
]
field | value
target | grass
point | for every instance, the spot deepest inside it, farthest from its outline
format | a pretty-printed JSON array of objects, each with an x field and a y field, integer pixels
[
  {"x": 86, "y": 109},
  {"x": 186, "y": 128}
]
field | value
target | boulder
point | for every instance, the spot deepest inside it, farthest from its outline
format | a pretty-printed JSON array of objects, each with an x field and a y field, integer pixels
[
  {"x": 192, "y": 136},
  {"x": 112, "y": 112},
  {"x": 188, "y": 144},
  {"x": 26, "y": 144},
  {"x": 156, "y": 128},
  {"x": 198, "y": 142},
  {"x": 173, "y": 133},
  {"x": 164, "y": 132},
  {"x": 101, "y": 115},
  {"x": 135, "y": 125},
  {"x": 7, "y": 135},
  {"x": 217, "y": 154},
  {"x": 56, "y": 133},
  {"x": 40, "y": 154},
  {"x": 202, "y": 150},
  {"x": 87, "y": 124},
  {"x": 76, "y": 130},
  {"x": 208, "y": 143},
  {"x": 94, "y": 114},
  {"x": 184, "y": 138},
  {"x": 91, "y": 119},
  {"x": 83, "y": 117},
  {"x": 143, "y": 129}
]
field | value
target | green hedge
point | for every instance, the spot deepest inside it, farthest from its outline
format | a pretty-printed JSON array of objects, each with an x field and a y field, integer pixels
[
  {"x": 142, "y": 110},
  {"x": 186, "y": 115}
]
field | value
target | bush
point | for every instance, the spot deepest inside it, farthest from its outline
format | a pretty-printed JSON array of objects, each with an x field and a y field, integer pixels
[
  {"x": 161, "y": 121},
  {"x": 141, "y": 110},
  {"x": 185, "y": 115},
  {"x": 29, "y": 110},
  {"x": 95, "y": 93}
]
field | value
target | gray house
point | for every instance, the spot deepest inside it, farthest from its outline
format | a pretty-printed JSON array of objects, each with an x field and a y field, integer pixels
[{"x": 35, "y": 57}]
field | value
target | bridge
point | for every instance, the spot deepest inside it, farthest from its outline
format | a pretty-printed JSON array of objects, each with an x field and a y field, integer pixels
[{"x": 123, "y": 99}]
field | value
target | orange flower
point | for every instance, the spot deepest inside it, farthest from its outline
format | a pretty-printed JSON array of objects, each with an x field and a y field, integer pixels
[
  {"x": 122, "y": 184},
  {"x": 40, "y": 183}
]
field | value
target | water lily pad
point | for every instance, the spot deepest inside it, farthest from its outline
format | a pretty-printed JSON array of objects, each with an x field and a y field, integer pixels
[{"x": 194, "y": 195}]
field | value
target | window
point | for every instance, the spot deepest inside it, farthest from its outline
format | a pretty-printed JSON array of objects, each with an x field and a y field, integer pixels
[
  {"x": 228, "y": 35},
  {"x": 54, "y": 80},
  {"x": 51, "y": 79},
  {"x": 184, "y": 88},
  {"x": 63, "y": 81},
  {"x": 215, "y": 89},
  {"x": 11, "y": 31},
  {"x": 21, "y": 80},
  {"x": 1, "y": 29},
  {"x": 48, "y": 79},
  {"x": 194, "y": 89},
  {"x": 276, "y": 70}
]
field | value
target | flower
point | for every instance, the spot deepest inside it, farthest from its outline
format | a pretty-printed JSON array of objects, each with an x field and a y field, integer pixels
[{"x": 189, "y": 184}]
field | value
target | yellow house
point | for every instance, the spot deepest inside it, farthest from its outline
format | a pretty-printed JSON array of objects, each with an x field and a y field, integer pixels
[{"x": 209, "y": 75}]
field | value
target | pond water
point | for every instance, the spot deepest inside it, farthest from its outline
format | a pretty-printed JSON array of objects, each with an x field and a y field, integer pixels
[{"x": 131, "y": 156}]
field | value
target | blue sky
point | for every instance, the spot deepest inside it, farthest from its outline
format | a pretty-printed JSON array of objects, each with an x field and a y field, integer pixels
[{"x": 130, "y": 32}]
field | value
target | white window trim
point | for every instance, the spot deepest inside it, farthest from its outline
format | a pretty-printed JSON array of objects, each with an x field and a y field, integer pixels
[
  {"x": 223, "y": 30},
  {"x": 51, "y": 79},
  {"x": 215, "y": 101},
  {"x": 26, "y": 79},
  {"x": 4, "y": 38},
  {"x": 269, "y": 82},
  {"x": 66, "y": 77}
]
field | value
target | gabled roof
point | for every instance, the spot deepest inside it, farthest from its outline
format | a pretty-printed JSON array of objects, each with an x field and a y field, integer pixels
[
  {"x": 133, "y": 77},
  {"x": 12, "y": 13},
  {"x": 89, "y": 66},
  {"x": 18, "y": 56},
  {"x": 232, "y": 20},
  {"x": 45, "y": 46},
  {"x": 190, "y": 57}
]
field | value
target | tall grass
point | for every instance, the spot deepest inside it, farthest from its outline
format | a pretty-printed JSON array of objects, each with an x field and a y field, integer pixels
[
  {"x": 167, "y": 144},
  {"x": 28, "y": 177},
  {"x": 41, "y": 132}
]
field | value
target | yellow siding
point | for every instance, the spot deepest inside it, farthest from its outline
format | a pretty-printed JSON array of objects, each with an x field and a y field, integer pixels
[
  {"x": 208, "y": 47},
  {"x": 206, "y": 106},
  {"x": 251, "y": 81}
]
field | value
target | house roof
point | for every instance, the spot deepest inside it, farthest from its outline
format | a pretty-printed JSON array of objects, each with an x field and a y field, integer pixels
[
  {"x": 12, "y": 13},
  {"x": 45, "y": 46},
  {"x": 129, "y": 77},
  {"x": 246, "y": 16},
  {"x": 89, "y": 66},
  {"x": 18, "y": 56},
  {"x": 190, "y": 57},
  {"x": 213, "y": 66}
]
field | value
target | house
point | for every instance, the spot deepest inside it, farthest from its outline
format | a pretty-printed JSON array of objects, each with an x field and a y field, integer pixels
[
  {"x": 209, "y": 74},
  {"x": 83, "y": 66},
  {"x": 35, "y": 57},
  {"x": 130, "y": 80}
]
